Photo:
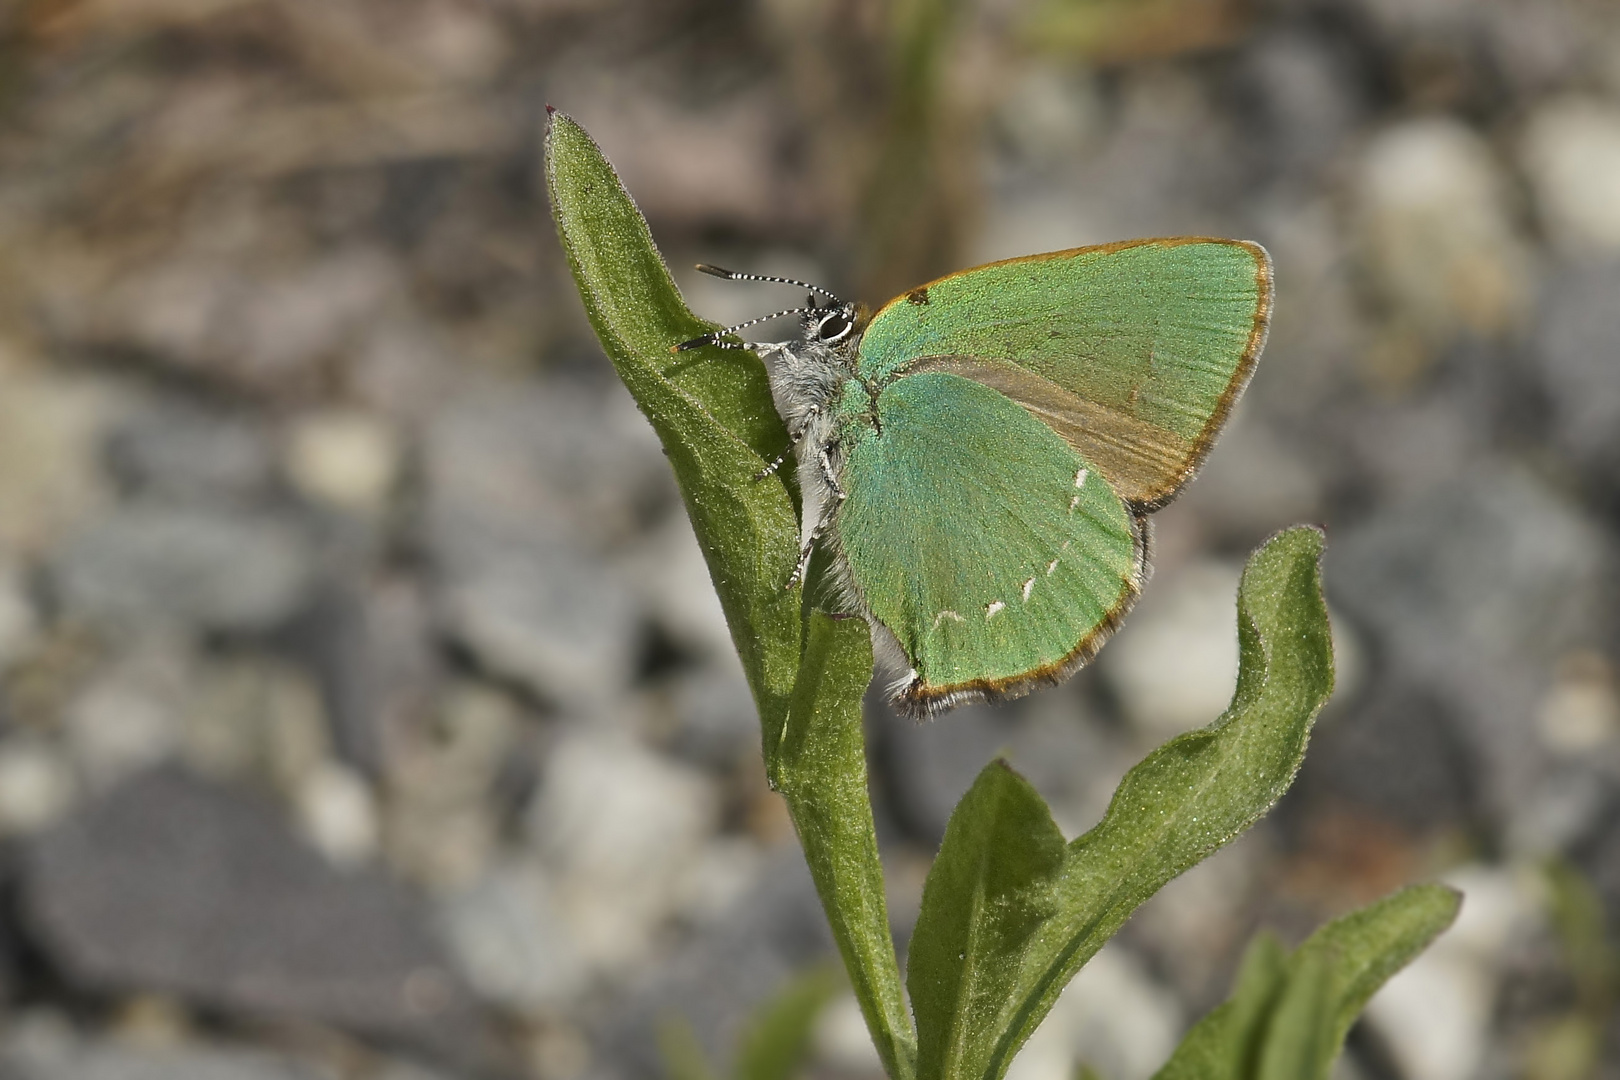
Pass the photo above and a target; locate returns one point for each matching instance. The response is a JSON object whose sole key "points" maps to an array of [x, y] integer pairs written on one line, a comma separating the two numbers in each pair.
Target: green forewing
{"points": [[1132, 352], [969, 538]]}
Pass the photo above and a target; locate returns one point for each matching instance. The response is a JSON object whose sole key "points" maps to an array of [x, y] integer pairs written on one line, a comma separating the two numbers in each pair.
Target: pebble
{"points": [[1578, 323], [36, 786], [1571, 153], [512, 944], [1436, 1015], [176, 885], [176, 450], [1112, 1017], [18, 621], [1431, 205], [1174, 663], [619, 826], [338, 813], [1475, 592], [347, 459], [151, 566]]}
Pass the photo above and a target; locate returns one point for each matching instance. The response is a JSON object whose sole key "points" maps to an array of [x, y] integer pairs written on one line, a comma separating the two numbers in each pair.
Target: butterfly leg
{"points": [[831, 476], [795, 435]]}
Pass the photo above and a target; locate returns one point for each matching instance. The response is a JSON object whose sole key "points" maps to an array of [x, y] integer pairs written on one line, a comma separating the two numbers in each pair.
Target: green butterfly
{"points": [[980, 457]]}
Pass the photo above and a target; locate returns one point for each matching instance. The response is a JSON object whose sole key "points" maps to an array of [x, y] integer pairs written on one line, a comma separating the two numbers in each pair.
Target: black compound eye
{"points": [[834, 327]]}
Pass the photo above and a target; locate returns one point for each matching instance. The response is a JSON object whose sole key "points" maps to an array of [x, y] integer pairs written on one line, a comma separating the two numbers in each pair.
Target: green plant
{"points": [[1011, 911]]}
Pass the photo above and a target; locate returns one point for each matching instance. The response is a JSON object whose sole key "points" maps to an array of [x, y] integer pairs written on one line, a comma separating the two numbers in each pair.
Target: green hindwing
{"points": [[995, 554], [1133, 353]]}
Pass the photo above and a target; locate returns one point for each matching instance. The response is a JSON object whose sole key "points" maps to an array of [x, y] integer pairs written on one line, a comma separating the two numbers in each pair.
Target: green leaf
{"points": [[711, 408], [1226, 1044], [1187, 798], [777, 1038], [989, 890], [821, 770], [1288, 1017], [1359, 953]]}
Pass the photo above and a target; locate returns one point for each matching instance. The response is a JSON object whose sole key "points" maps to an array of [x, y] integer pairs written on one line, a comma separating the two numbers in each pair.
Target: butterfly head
{"points": [[824, 319]]}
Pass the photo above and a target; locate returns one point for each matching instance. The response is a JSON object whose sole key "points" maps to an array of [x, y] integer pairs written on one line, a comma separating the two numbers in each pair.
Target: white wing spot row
{"points": [[992, 609]]}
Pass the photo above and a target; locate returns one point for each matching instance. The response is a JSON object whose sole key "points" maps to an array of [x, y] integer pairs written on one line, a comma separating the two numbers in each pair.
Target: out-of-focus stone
{"points": [[18, 621], [618, 826], [1574, 342], [1581, 710], [526, 488], [1475, 592], [1431, 205], [175, 885], [1436, 1015], [36, 786], [50, 442], [347, 459], [130, 715], [115, 1061], [152, 566], [1175, 662], [670, 573], [257, 720], [1050, 738], [723, 971], [1112, 1017], [1254, 484], [443, 823], [841, 1040], [338, 813], [173, 450], [1571, 153], [512, 944]]}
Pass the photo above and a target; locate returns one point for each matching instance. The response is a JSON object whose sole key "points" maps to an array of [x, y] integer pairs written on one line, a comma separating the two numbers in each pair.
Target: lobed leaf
{"points": [[1179, 804]]}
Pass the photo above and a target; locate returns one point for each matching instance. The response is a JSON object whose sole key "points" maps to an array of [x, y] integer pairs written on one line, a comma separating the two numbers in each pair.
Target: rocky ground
{"points": [[365, 711]]}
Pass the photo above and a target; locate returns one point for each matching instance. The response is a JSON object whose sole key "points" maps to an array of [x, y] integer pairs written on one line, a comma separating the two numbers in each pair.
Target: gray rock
{"points": [[182, 567], [111, 1061], [1575, 347], [1475, 592], [722, 973], [528, 489], [178, 450], [174, 885], [1050, 738]]}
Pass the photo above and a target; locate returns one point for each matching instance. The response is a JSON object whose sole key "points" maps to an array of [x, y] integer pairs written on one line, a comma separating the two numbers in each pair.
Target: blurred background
{"points": [[365, 711]]}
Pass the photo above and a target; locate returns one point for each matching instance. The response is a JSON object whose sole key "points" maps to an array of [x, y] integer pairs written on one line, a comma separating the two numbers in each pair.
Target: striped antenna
{"points": [[713, 338], [735, 275]]}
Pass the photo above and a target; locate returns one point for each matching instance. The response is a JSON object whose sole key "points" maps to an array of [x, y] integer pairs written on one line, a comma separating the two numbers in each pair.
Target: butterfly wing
{"points": [[992, 551], [1134, 353]]}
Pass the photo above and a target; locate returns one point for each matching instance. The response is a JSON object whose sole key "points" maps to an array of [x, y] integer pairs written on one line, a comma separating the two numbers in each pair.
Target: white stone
{"points": [[1112, 1017], [338, 813], [1581, 710], [841, 1041], [1432, 209], [1174, 665], [1571, 153], [36, 787], [18, 622], [346, 458], [617, 826], [1435, 1016], [130, 716], [511, 943]]}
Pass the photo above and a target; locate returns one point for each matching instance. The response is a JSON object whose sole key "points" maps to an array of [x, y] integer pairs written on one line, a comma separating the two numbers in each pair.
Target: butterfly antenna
{"points": [[735, 275], [713, 337]]}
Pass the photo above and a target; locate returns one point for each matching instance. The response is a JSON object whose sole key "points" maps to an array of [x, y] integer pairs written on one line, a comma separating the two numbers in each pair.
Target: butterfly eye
{"points": [[834, 327]]}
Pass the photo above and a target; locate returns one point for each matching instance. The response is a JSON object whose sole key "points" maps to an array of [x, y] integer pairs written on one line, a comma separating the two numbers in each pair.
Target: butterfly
{"points": [[979, 458]]}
